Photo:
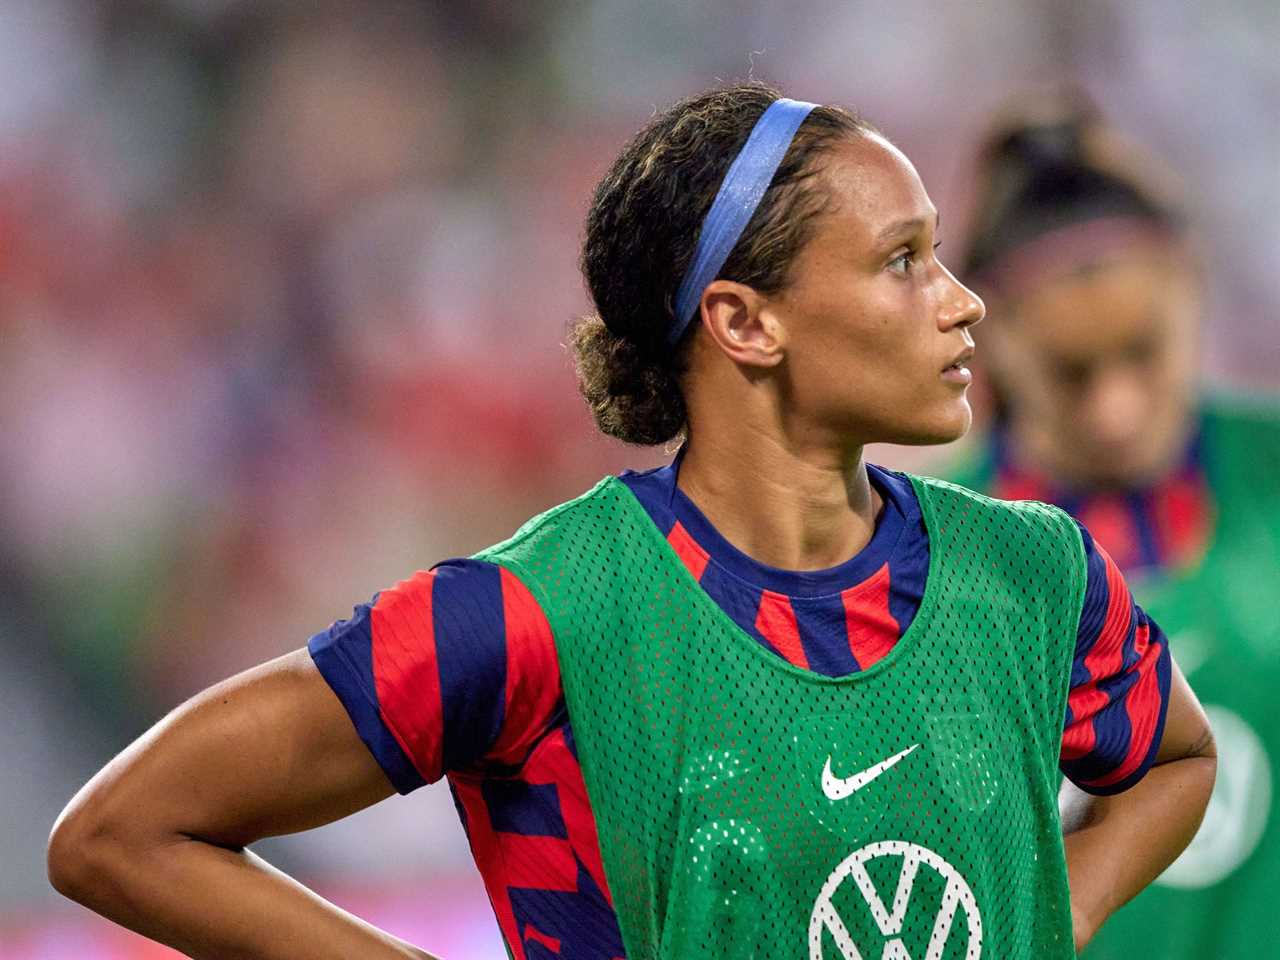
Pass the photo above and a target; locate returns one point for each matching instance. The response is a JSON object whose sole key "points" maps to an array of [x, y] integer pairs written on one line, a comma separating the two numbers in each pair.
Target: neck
{"points": [[783, 505]]}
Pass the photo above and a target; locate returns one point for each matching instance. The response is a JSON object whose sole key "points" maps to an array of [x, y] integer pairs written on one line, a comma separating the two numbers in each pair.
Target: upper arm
{"points": [[453, 669], [267, 752], [1121, 680], [1186, 730], [450, 669]]}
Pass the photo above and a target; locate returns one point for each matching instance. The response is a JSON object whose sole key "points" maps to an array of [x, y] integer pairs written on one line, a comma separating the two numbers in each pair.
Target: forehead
{"points": [[873, 188], [1133, 291], [1106, 308]]}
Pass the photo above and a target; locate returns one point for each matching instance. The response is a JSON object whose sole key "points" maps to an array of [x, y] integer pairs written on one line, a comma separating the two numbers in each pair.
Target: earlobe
{"points": [[742, 325]]}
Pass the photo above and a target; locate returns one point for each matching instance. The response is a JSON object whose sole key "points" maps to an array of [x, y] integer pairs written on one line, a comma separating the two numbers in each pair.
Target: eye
{"points": [[1141, 352], [1071, 373], [901, 264]]}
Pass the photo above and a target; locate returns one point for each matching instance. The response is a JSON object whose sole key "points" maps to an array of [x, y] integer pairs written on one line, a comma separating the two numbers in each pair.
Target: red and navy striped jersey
{"points": [[454, 673], [1163, 525]]}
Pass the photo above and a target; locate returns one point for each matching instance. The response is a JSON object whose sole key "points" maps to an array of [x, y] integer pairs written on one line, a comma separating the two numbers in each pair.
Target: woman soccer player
{"points": [[769, 701], [1093, 346]]}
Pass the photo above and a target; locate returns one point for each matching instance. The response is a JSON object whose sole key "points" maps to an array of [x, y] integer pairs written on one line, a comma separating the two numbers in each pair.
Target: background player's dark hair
{"points": [[640, 236], [1049, 162], [1052, 162]]}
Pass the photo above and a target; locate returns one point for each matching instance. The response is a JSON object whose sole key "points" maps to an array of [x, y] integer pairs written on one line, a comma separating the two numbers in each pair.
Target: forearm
{"points": [[212, 902], [266, 753], [1117, 845]]}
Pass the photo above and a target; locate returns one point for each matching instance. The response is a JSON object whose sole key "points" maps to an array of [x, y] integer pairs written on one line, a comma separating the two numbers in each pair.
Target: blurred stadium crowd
{"points": [[282, 288]]}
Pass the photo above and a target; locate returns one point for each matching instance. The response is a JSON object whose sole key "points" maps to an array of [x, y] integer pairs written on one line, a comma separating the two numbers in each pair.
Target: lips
{"points": [[959, 362]]}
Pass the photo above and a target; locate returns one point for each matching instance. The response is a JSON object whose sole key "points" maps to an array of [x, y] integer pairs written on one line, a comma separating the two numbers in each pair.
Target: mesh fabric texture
{"points": [[747, 808]]}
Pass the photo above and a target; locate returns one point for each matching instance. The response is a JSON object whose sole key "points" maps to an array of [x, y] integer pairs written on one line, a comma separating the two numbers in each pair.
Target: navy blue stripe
{"points": [[1164, 671], [653, 489], [458, 805], [908, 571], [529, 809], [583, 922], [1093, 613], [344, 656], [471, 650], [824, 636], [1142, 509], [739, 600], [1093, 610]]}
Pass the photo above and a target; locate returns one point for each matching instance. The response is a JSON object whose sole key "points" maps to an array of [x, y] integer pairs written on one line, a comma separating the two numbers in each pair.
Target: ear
{"points": [[742, 325]]}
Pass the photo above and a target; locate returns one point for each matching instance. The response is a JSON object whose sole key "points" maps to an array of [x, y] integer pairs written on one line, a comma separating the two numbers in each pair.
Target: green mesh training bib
{"points": [[747, 808]]}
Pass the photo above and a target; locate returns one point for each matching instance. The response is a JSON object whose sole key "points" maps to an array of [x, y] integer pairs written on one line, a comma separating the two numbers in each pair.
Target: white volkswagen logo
{"points": [[889, 919]]}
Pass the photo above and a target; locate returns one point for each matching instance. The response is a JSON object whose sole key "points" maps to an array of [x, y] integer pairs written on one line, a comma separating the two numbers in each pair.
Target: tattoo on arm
{"points": [[1202, 747]]}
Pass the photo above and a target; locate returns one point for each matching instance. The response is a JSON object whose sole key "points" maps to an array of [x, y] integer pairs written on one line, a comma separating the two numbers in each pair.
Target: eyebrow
{"points": [[905, 227]]}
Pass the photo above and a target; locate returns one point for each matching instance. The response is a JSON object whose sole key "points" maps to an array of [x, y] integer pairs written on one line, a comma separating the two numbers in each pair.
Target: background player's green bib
{"points": [[1222, 619], [748, 808]]}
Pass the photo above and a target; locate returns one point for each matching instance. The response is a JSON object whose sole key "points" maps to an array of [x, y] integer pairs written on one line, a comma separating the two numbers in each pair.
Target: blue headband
{"points": [[744, 185]]}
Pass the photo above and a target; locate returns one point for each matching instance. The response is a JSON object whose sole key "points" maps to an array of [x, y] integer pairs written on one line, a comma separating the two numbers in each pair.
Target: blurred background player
{"points": [[1081, 251]]}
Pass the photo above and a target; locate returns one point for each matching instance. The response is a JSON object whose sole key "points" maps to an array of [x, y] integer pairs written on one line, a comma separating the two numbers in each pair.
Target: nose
{"points": [[1116, 407], [961, 307]]}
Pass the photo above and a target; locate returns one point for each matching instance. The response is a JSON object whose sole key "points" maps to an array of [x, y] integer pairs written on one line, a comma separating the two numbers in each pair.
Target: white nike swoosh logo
{"points": [[837, 789]]}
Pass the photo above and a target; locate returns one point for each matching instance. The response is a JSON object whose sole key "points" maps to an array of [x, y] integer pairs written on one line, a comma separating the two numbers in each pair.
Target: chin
{"points": [[925, 427], [1114, 477], [938, 430]]}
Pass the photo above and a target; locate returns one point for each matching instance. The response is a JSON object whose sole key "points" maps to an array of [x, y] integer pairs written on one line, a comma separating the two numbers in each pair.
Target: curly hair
{"points": [[641, 232]]}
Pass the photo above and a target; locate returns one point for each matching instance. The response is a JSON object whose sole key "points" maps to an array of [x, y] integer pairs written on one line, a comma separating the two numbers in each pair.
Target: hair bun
{"points": [[633, 396], [1049, 145], [1052, 161]]}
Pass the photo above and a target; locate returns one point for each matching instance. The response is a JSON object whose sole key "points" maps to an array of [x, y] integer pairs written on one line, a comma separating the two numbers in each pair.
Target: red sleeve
{"points": [[1119, 684], [452, 669]]}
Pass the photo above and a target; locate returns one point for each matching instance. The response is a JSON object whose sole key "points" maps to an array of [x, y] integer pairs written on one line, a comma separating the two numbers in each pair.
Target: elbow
{"points": [[78, 856], [1204, 753], [1208, 747], [1209, 760], [1201, 764], [65, 856]]}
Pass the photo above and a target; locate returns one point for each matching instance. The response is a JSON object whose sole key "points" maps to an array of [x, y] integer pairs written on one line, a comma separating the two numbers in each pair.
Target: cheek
{"points": [[1182, 363], [843, 336], [892, 333], [1025, 379], [862, 351]]}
